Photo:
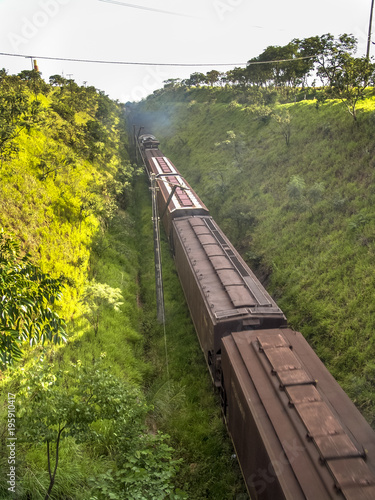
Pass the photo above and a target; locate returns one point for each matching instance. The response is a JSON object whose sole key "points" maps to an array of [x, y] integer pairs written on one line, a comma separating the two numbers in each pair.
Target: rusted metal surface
{"points": [[176, 198], [160, 165], [305, 438], [222, 292]]}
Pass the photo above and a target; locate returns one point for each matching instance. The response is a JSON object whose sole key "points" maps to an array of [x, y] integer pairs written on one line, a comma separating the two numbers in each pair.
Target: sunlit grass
{"points": [[317, 256]]}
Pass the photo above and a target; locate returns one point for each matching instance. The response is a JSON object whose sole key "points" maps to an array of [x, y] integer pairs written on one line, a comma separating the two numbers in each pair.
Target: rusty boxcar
{"points": [[221, 291], [296, 433], [175, 196]]}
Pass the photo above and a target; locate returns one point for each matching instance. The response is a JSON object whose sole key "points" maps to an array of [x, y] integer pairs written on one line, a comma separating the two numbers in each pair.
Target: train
{"points": [[296, 433]]}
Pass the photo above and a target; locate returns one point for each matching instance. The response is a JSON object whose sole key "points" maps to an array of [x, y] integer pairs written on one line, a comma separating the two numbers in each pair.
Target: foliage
{"points": [[343, 76], [312, 242], [60, 193], [352, 81], [283, 120], [296, 187], [144, 474], [282, 74], [77, 402], [96, 297], [26, 296], [17, 112], [51, 195]]}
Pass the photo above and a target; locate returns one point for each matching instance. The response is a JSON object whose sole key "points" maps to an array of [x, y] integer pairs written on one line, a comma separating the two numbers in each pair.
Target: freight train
{"points": [[296, 434]]}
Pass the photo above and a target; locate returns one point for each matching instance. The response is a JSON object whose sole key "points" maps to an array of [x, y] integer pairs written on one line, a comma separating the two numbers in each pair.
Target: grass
{"points": [[120, 345], [315, 255], [185, 405], [132, 347]]}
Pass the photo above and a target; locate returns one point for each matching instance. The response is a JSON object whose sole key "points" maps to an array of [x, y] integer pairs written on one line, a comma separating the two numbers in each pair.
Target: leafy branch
{"points": [[26, 297]]}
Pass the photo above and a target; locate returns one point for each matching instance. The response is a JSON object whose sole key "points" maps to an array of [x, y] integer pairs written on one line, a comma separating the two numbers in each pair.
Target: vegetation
{"points": [[94, 416], [25, 297], [285, 73], [64, 175], [299, 210], [107, 403]]}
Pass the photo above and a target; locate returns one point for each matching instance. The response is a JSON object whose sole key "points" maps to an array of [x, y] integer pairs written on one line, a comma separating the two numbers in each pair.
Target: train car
{"points": [[221, 291], [296, 433], [158, 164], [153, 159], [177, 199], [148, 141]]}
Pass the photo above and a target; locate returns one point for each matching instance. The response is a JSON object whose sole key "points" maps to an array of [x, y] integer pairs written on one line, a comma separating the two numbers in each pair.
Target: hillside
{"points": [[293, 187], [291, 184], [97, 415]]}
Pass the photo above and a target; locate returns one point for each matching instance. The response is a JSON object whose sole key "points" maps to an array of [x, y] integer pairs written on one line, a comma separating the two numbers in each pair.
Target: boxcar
{"points": [[221, 291], [158, 164], [176, 198], [296, 433]]}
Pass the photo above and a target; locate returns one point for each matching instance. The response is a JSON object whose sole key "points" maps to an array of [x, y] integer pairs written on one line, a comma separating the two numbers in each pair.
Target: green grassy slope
{"points": [[67, 192], [302, 215]]}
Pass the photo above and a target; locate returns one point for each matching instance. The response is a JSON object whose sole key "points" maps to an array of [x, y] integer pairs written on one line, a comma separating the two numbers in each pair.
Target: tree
{"points": [[285, 66], [237, 76], [34, 81], [328, 53], [66, 403], [26, 297], [283, 119], [58, 80], [97, 297], [92, 406], [16, 114], [344, 76], [172, 83], [212, 77], [195, 80], [236, 144], [351, 82]]}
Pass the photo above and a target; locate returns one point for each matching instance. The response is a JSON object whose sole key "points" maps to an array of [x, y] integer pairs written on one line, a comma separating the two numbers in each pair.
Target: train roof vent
{"points": [[242, 288], [231, 312], [337, 451], [162, 166]]}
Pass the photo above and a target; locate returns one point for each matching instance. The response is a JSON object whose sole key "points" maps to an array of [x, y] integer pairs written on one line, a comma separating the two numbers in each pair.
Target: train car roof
{"points": [[160, 164], [183, 196], [294, 399], [147, 136], [229, 286]]}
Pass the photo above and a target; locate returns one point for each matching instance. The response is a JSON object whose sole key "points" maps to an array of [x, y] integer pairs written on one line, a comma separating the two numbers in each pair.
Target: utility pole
{"points": [[369, 31]]}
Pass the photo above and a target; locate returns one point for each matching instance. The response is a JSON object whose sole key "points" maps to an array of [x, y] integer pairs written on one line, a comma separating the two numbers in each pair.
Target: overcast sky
{"points": [[186, 32]]}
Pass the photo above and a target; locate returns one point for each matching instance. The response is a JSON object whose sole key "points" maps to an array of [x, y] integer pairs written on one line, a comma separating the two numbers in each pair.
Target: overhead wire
{"points": [[135, 63], [141, 7]]}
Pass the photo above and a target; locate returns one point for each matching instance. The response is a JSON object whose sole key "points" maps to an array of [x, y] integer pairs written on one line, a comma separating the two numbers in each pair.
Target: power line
{"points": [[123, 4], [133, 63]]}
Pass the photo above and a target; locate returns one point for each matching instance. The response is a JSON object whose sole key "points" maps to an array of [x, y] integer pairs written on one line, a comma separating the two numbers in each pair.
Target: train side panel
{"points": [[222, 293], [296, 432]]}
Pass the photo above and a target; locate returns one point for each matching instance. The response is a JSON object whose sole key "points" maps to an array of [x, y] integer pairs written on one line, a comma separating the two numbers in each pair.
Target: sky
{"points": [[218, 34]]}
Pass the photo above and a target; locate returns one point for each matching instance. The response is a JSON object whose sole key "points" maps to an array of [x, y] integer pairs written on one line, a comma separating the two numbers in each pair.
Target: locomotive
{"points": [[296, 434]]}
